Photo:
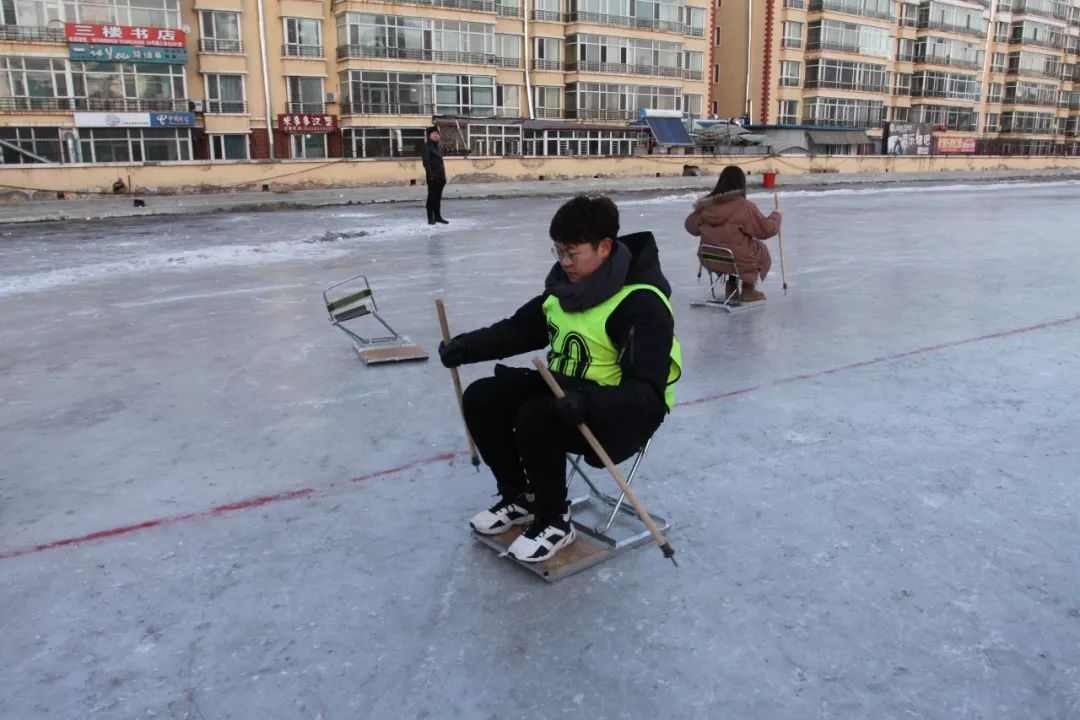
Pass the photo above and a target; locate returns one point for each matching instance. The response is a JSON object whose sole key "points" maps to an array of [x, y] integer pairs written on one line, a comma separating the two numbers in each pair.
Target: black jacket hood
{"points": [[645, 265]]}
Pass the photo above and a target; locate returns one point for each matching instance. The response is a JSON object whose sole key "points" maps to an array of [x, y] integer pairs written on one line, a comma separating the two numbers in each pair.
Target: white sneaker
{"points": [[502, 516], [543, 538]]}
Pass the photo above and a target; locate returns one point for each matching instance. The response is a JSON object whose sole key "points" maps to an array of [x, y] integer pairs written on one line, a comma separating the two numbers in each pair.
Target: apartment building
{"points": [[167, 80], [1003, 72]]}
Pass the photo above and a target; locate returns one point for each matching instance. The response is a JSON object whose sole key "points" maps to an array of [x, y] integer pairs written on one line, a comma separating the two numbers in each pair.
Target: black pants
{"points": [[512, 419], [434, 197]]}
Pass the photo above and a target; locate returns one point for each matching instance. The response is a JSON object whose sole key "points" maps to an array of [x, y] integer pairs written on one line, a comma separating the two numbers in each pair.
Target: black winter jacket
{"points": [[641, 326], [433, 161]]}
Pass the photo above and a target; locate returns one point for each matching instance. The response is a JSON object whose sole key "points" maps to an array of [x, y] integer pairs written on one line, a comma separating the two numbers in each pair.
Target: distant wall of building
{"points": [[20, 182]]}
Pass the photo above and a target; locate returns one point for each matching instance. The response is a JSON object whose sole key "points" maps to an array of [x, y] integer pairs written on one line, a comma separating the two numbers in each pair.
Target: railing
{"points": [[25, 33], [226, 107], [548, 16], [905, 56], [857, 87], [954, 28], [548, 113], [1049, 43], [53, 104], [791, 42], [818, 45], [950, 61], [1050, 102], [622, 69], [789, 82], [362, 108], [478, 5], [311, 108], [633, 22], [512, 11], [1054, 74], [795, 4], [1058, 12], [909, 22], [591, 114], [1008, 129], [847, 9], [931, 93], [811, 119], [540, 64], [302, 51], [215, 45], [345, 52]]}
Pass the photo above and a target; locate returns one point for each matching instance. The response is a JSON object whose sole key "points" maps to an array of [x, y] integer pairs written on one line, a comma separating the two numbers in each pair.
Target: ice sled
{"points": [[606, 526], [719, 263], [353, 299]]}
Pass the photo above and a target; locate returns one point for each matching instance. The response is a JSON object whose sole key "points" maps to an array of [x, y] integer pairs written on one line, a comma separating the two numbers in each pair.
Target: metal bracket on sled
{"points": [[719, 263], [606, 526], [355, 299]]}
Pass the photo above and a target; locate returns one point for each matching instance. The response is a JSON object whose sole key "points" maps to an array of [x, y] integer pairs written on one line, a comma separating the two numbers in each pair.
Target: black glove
{"points": [[574, 408], [453, 353]]}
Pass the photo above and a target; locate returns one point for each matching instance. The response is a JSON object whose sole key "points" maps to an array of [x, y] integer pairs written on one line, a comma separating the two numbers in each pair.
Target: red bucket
{"points": [[770, 179]]}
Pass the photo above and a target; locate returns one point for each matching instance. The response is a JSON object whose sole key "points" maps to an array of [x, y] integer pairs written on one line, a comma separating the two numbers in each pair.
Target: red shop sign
{"points": [[306, 123], [954, 145], [124, 35]]}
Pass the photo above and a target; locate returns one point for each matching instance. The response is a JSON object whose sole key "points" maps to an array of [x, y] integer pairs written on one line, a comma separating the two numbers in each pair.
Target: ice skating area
{"points": [[210, 508]]}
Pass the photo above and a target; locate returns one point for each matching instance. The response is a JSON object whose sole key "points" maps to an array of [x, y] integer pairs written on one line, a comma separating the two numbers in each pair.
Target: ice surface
{"points": [[872, 480]]}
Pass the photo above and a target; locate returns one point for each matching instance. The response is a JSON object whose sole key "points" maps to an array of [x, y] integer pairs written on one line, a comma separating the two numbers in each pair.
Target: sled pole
{"points": [[780, 237], [597, 448], [457, 384]]}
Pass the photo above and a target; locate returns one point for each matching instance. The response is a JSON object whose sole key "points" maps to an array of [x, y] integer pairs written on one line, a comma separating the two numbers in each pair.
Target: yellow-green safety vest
{"points": [[581, 347]]}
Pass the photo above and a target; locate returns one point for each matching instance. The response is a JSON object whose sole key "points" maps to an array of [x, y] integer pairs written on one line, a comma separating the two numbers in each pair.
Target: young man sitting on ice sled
{"points": [[606, 316]]}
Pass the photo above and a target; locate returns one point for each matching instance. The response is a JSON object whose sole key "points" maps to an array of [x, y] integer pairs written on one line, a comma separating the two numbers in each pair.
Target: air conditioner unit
{"points": [[331, 97], [197, 106]]}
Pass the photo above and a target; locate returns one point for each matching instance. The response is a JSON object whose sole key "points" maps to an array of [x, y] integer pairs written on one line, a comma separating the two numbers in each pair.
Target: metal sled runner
{"points": [[352, 299], [605, 525], [719, 263]]}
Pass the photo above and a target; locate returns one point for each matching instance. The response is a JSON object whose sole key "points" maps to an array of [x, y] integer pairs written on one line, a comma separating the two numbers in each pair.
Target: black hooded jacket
{"points": [[641, 326], [432, 159]]}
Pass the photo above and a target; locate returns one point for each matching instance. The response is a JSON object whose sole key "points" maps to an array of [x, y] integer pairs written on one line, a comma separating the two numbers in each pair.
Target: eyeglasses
{"points": [[560, 255]]}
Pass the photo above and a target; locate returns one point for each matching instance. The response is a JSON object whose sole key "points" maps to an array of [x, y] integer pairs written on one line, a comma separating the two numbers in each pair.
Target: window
{"points": [[693, 105], [848, 37], [952, 18], [789, 112], [465, 95], [1024, 92], [229, 147], [847, 75], [995, 93], [718, 35], [309, 147], [495, 139], [306, 95], [370, 142], [508, 50], [632, 56], [615, 101], [143, 13], [960, 119], [843, 112], [547, 53], [220, 32], [508, 100], [381, 93], [548, 102], [998, 64], [943, 51], [134, 145], [602, 143], [954, 86], [716, 73], [903, 84], [693, 65], [1001, 32], [881, 9], [46, 142], [1027, 122], [901, 114], [905, 50], [225, 94], [28, 83], [790, 72], [792, 34], [303, 38], [129, 87]]}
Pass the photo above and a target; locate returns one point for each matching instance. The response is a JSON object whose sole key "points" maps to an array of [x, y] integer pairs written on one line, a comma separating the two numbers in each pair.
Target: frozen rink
{"points": [[209, 508]]}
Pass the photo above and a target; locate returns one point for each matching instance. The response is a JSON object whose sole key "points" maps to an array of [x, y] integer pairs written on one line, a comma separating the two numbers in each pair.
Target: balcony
{"points": [[633, 22], [226, 107], [1050, 42], [857, 87], [555, 65], [216, 45], [53, 104], [594, 114], [309, 108], [1021, 130], [547, 16], [1052, 74], [847, 8], [822, 45], [307, 52], [26, 33], [1059, 11], [621, 69], [789, 82], [365, 108], [791, 43], [795, 4], [364, 52], [950, 61], [868, 122], [943, 94], [548, 113], [511, 11], [953, 28], [488, 6], [1030, 101]]}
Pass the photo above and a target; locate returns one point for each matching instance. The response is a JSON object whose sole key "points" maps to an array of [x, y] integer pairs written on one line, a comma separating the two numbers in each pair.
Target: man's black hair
{"points": [[585, 220]]}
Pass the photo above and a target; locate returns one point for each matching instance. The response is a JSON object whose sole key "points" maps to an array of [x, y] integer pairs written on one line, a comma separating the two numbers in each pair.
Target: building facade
{"points": [[1002, 73], [166, 80]]}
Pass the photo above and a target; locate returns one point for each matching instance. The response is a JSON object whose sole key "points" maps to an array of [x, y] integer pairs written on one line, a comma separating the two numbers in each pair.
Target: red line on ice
{"points": [[447, 456]]}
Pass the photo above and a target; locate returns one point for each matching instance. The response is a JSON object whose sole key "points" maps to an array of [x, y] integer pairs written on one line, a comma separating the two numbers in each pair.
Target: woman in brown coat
{"points": [[726, 218]]}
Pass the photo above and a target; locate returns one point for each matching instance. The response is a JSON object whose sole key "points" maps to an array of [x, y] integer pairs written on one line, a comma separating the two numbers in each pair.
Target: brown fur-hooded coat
{"points": [[731, 221]]}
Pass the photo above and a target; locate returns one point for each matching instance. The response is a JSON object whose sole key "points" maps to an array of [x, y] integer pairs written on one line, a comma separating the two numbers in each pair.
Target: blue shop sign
{"points": [[86, 52], [172, 119]]}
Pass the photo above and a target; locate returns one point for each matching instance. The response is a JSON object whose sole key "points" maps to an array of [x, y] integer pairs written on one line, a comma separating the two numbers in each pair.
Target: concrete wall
{"points": [[20, 182]]}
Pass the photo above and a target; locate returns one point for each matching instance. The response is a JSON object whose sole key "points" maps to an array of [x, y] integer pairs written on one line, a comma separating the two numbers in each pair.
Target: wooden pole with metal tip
{"points": [[780, 237], [658, 536], [441, 309]]}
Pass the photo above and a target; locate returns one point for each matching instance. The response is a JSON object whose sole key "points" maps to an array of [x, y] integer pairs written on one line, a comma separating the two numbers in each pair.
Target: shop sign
{"points": [[124, 35]]}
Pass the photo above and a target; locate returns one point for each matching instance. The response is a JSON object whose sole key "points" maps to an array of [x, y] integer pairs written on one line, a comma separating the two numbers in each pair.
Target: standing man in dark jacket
{"points": [[606, 316], [435, 171]]}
